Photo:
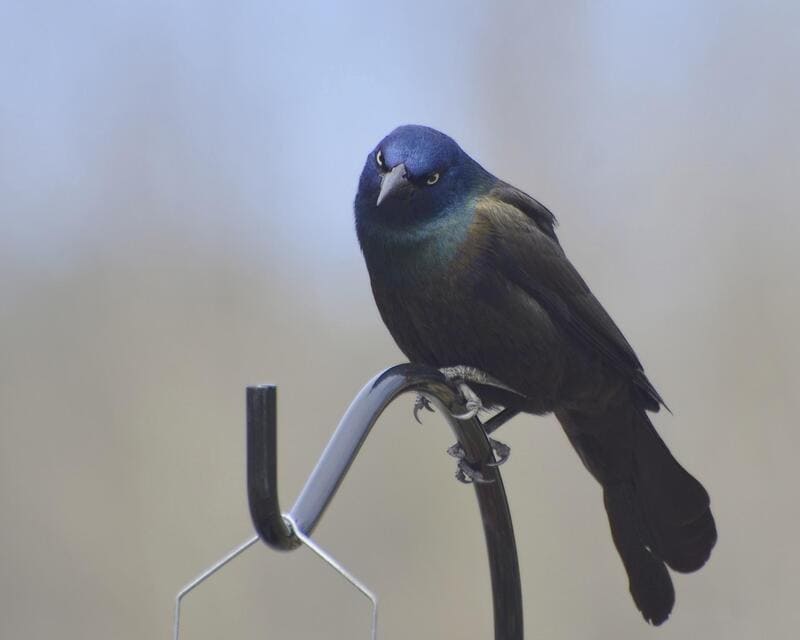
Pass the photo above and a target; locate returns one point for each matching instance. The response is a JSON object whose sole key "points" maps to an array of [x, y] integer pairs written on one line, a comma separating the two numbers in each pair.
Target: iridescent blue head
{"points": [[414, 176]]}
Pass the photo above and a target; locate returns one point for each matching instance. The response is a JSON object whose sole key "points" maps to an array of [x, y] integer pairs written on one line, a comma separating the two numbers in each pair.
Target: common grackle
{"points": [[467, 270]]}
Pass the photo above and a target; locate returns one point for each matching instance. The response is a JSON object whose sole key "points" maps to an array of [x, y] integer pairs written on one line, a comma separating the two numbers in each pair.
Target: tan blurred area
{"points": [[176, 184]]}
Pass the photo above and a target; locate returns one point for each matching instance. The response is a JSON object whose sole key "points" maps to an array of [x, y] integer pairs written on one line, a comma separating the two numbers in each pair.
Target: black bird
{"points": [[467, 270]]}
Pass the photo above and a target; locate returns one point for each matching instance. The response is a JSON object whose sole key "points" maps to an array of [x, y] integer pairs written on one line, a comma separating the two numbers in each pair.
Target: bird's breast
{"points": [[463, 311]]}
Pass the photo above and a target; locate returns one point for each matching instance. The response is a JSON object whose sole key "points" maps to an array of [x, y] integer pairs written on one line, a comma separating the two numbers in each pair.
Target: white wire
{"points": [[206, 574], [249, 543], [340, 569]]}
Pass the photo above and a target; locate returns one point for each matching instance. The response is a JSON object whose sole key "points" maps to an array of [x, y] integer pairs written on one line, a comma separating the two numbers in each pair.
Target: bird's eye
{"points": [[432, 178], [379, 159]]}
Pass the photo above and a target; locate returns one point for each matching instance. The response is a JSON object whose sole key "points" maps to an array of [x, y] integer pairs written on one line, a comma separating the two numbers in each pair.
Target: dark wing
{"points": [[535, 210], [525, 249]]}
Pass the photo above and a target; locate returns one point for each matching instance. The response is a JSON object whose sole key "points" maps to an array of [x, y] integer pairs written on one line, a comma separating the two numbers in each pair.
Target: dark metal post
{"points": [[262, 469]]}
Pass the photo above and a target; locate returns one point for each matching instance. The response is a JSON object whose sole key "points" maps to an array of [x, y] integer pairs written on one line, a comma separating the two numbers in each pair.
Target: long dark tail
{"points": [[659, 514]]}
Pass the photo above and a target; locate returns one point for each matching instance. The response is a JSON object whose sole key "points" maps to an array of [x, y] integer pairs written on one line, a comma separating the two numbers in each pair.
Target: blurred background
{"points": [[176, 186]]}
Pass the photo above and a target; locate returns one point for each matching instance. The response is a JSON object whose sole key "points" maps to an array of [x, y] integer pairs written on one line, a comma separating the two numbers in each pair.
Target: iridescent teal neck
{"points": [[404, 255]]}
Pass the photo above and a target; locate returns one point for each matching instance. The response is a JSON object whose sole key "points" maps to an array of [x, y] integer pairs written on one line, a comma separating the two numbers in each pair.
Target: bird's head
{"points": [[416, 174]]}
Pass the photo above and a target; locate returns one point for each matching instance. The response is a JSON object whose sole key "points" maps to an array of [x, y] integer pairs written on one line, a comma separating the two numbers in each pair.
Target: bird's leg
{"points": [[472, 402], [498, 420], [460, 375], [501, 450], [464, 373]]}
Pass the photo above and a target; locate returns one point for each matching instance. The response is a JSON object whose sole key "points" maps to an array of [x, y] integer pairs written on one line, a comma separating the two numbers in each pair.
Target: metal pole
{"points": [[342, 449]]}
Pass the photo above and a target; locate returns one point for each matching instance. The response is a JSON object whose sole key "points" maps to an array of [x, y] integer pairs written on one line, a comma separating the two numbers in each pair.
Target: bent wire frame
{"points": [[285, 532]]}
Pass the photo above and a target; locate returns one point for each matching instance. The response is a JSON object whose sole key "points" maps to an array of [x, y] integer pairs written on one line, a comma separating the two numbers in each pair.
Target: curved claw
{"points": [[501, 450], [471, 412], [421, 403], [456, 451], [462, 477]]}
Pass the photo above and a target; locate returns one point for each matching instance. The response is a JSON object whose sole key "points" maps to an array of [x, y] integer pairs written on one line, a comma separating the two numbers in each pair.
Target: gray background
{"points": [[176, 184]]}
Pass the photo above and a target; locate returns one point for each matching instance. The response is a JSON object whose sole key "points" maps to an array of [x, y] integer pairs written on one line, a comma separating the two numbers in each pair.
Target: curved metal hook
{"points": [[286, 532], [342, 449], [262, 469]]}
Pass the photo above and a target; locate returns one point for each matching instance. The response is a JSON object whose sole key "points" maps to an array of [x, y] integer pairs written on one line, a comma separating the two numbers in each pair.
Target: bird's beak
{"points": [[392, 182]]}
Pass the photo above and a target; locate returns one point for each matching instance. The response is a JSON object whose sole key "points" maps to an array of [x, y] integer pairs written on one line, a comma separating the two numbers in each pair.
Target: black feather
{"points": [[470, 271]]}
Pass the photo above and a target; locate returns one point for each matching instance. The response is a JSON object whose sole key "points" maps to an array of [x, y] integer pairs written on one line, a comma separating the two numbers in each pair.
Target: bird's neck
{"points": [[403, 256]]}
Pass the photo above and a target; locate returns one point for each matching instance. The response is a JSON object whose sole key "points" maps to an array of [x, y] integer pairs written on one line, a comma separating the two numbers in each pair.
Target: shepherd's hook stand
{"points": [[285, 532]]}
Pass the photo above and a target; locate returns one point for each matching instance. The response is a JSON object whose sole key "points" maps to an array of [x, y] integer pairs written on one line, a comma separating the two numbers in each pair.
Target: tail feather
{"points": [[659, 513], [675, 505], [649, 581]]}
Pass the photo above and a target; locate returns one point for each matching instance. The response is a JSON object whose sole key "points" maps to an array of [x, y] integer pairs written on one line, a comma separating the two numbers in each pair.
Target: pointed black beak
{"points": [[393, 182]]}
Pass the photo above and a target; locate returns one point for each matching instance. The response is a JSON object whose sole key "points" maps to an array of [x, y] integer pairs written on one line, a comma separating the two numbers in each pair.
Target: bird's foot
{"points": [[464, 375], [420, 403], [467, 473], [472, 403], [460, 375], [501, 451]]}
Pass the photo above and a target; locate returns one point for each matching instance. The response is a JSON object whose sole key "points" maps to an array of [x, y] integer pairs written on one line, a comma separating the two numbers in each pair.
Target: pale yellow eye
{"points": [[379, 159], [432, 179]]}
